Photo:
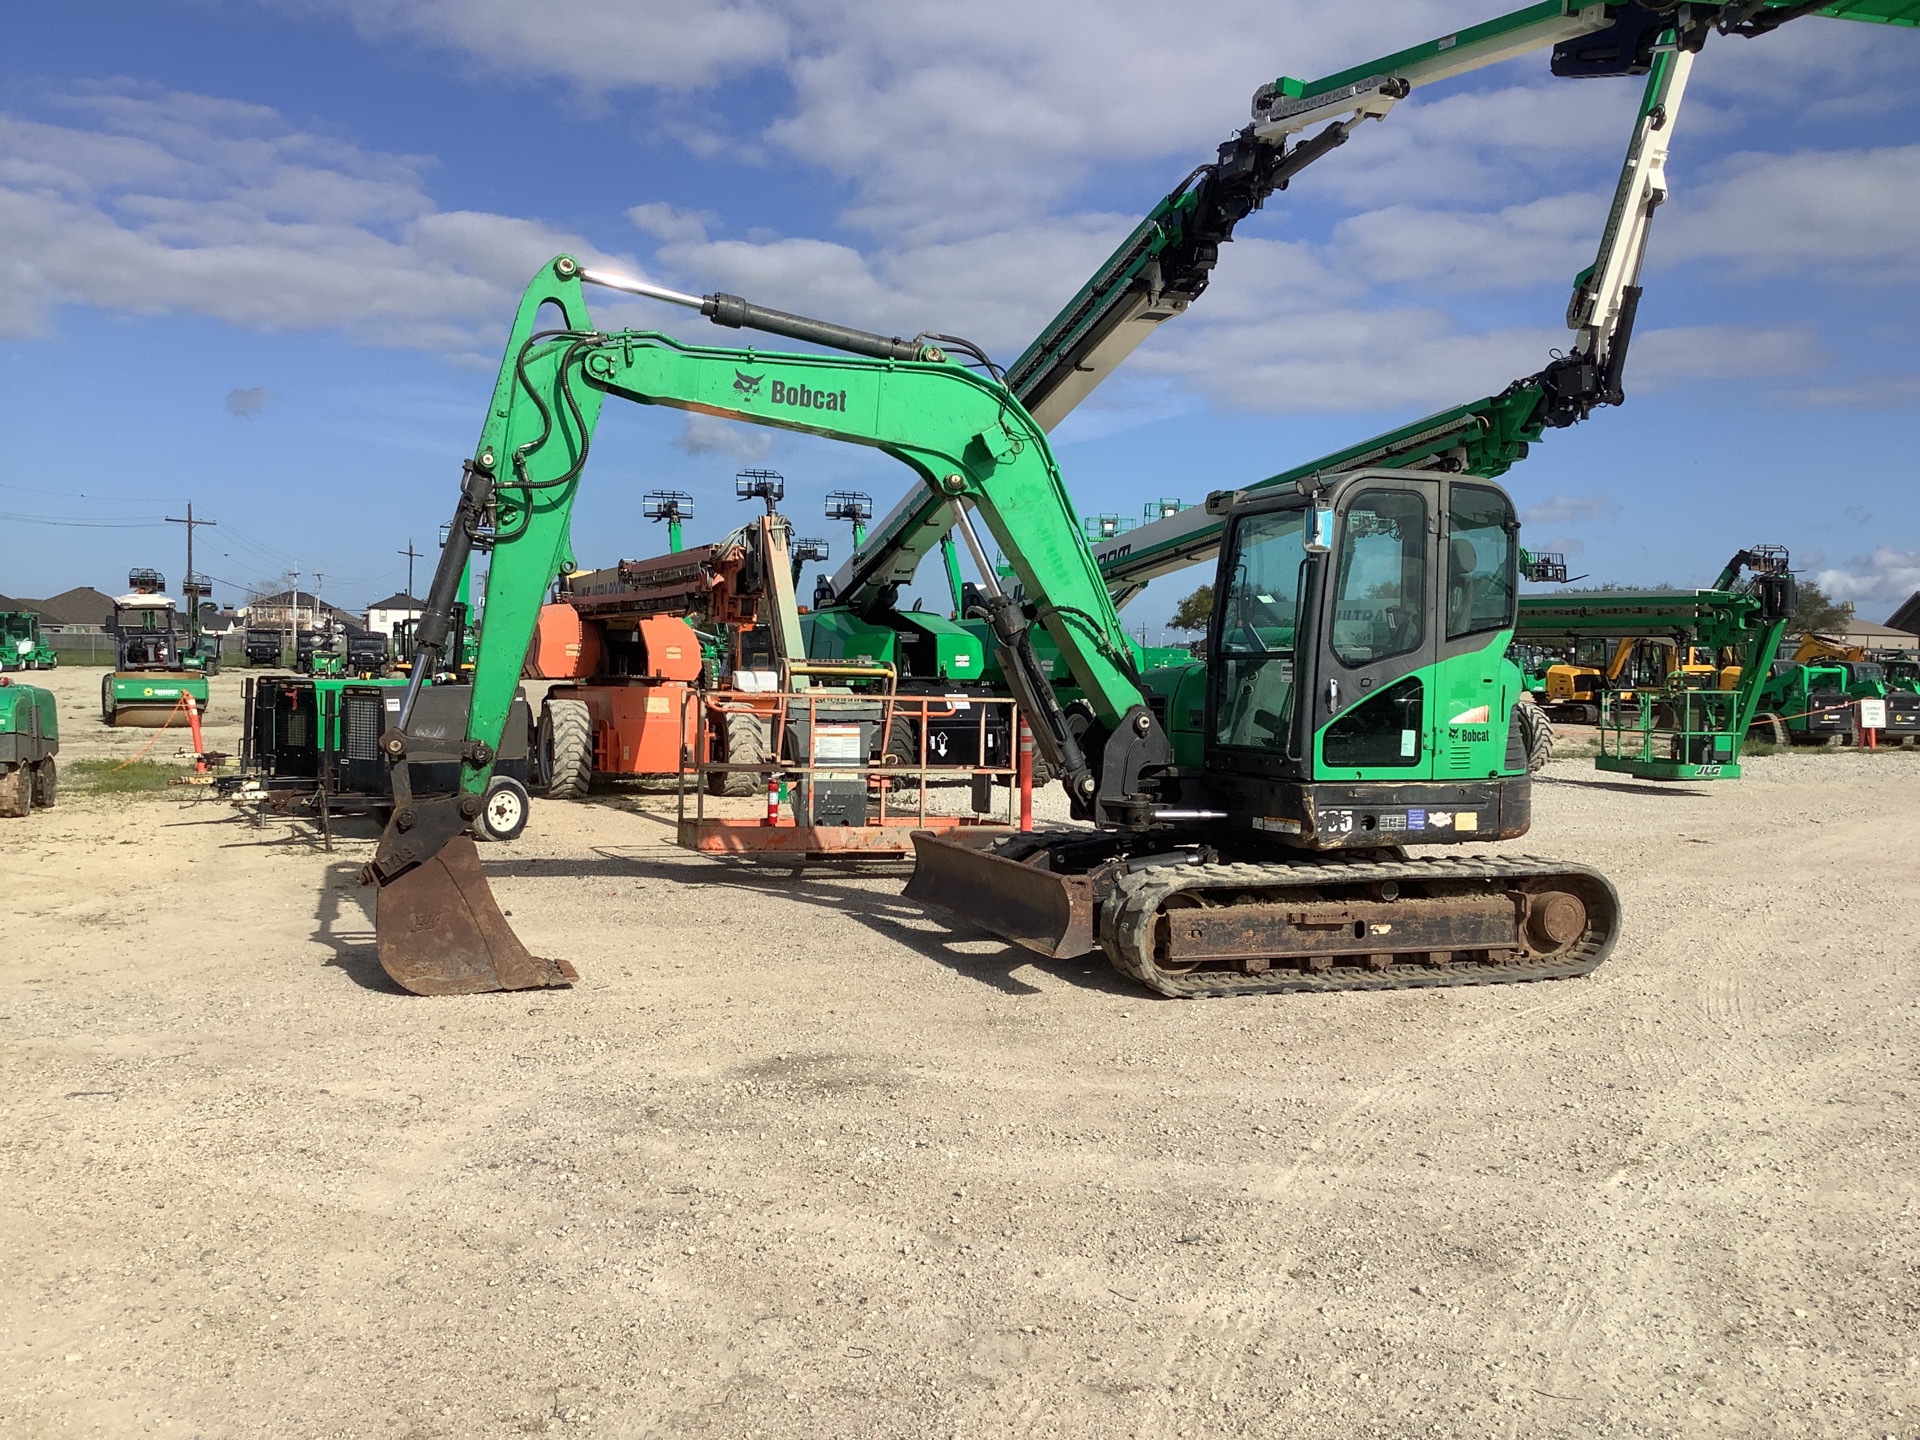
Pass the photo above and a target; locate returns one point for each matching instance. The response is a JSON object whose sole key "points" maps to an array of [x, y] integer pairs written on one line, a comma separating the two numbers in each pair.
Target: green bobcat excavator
{"points": [[1248, 821]]}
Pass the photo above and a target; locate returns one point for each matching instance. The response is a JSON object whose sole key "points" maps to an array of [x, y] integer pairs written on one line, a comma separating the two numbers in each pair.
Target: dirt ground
{"points": [[795, 1159]]}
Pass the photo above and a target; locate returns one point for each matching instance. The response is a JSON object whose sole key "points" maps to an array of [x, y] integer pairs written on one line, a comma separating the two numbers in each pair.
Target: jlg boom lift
{"points": [[1158, 272]]}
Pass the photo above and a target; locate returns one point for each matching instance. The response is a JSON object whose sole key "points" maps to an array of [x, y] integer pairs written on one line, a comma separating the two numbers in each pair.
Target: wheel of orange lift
{"points": [[564, 748], [743, 740]]}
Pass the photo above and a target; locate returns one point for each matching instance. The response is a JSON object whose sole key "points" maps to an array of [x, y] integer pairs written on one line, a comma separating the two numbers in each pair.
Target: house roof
{"points": [[82, 605], [399, 600], [1907, 617], [1865, 632]]}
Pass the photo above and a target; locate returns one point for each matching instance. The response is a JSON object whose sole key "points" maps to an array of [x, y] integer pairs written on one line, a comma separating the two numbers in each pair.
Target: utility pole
{"points": [[412, 555], [190, 591]]}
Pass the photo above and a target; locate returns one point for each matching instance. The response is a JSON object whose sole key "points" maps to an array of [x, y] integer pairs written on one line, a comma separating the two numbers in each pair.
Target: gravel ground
{"points": [[797, 1160]]}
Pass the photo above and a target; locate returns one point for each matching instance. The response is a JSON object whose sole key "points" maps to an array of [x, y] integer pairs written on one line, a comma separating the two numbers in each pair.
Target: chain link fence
{"points": [[85, 648]]}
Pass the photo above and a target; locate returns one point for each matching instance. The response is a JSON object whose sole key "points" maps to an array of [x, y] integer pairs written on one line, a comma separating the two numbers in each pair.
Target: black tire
{"points": [[1536, 735], [743, 740], [44, 784], [1769, 729], [16, 792], [564, 749], [903, 752], [106, 698], [503, 814]]}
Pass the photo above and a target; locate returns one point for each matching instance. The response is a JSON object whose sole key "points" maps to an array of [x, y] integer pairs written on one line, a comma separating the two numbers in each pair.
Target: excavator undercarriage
{"points": [[1188, 923]]}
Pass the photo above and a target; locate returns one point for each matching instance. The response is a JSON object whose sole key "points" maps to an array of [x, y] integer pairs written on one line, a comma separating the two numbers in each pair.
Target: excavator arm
{"points": [[965, 437]]}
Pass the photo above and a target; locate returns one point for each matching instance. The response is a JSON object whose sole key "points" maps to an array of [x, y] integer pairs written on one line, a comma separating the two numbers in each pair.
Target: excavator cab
{"points": [[1359, 643]]}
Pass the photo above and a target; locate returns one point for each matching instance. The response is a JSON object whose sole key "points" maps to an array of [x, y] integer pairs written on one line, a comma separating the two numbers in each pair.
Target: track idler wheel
{"points": [[441, 932], [1555, 919]]}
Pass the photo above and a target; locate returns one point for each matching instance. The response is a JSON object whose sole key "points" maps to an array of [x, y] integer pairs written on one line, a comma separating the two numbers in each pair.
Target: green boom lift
{"points": [[1682, 733], [1161, 268]]}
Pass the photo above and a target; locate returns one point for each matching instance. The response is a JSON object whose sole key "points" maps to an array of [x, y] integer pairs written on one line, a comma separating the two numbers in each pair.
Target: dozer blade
{"points": [[1023, 903], [442, 933]]}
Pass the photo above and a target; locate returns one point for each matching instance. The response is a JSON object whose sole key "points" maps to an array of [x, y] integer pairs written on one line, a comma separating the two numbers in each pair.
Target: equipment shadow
{"points": [[968, 951], [343, 922], [1620, 787]]}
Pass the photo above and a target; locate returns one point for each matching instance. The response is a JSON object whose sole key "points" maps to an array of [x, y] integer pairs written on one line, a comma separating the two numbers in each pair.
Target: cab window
{"points": [[1380, 595], [1253, 645], [1481, 568]]}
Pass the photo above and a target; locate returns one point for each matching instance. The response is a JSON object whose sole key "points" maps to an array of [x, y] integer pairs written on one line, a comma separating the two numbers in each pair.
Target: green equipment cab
{"points": [[29, 740], [22, 647], [150, 681]]}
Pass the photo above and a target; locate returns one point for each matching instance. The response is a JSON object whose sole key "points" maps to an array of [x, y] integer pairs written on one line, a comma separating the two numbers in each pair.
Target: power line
{"points": [[75, 524]]}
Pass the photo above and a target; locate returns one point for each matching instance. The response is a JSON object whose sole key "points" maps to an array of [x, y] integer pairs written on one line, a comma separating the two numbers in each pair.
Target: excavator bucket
{"points": [[441, 931], [1021, 902]]}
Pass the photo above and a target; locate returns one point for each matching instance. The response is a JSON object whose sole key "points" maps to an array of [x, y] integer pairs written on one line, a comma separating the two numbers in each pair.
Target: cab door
{"points": [[1472, 691], [1372, 704]]}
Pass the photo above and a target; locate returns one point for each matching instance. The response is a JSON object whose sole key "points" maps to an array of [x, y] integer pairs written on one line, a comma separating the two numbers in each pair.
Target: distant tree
{"points": [[1193, 612], [1815, 612], [1609, 587]]}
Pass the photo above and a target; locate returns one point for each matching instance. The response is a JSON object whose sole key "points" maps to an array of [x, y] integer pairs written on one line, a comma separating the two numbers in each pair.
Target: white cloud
{"points": [[710, 435], [182, 204], [1560, 509], [1842, 214], [669, 222], [1348, 359], [244, 404], [1865, 392], [1507, 249], [1879, 581], [885, 95], [669, 44], [1660, 359]]}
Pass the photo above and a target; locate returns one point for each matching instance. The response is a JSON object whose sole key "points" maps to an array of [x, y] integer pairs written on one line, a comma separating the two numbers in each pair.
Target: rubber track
{"points": [[1127, 925]]}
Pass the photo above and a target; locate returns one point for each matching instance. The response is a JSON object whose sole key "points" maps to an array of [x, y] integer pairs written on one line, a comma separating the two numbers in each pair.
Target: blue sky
{"points": [[261, 254]]}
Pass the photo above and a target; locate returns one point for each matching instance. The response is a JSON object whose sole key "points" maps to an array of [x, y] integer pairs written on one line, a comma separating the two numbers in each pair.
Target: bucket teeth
{"points": [[441, 932]]}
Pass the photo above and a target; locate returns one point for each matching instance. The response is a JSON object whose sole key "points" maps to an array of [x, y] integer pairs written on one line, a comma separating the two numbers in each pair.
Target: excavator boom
{"points": [[964, 437]]}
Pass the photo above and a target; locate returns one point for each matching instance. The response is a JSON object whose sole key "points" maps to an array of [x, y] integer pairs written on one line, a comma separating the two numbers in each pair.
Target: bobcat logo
{"points": [[747, 385]]}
